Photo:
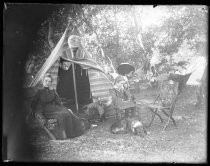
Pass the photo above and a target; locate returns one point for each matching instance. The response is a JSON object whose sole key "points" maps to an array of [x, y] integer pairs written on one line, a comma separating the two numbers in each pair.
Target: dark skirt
{"points": [[67, 121]]}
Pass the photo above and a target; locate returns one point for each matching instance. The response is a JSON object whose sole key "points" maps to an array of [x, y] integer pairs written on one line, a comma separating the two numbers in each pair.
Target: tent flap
{"points": [[50, 61]]}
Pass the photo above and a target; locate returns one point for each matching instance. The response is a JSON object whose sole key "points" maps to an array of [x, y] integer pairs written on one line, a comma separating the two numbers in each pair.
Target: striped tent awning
{"points": [[99, 84], [99, 81]]}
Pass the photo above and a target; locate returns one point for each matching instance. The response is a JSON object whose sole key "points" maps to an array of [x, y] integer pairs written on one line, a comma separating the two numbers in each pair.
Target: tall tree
{"points": [[117, 37], [138, 29]]}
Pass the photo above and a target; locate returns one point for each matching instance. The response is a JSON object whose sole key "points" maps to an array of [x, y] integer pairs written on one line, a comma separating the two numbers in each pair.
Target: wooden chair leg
{"points": [[169, 116], [167, 123], [171, 113], [46, 129], [161, 119], [49, 133], [153, 117], [155, 112]]}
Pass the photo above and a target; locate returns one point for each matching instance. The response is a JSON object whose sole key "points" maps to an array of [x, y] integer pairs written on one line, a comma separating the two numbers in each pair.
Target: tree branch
{"points": [[97, 38]]}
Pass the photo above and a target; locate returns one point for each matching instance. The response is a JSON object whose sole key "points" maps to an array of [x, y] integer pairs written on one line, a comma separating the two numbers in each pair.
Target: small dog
{"points": [[136, 127], [128, 125], [119, 127], [95, 111]]}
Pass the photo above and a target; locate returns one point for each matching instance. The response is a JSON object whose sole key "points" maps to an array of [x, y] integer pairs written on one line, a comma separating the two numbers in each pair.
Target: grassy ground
{"points": [[184, 143]]}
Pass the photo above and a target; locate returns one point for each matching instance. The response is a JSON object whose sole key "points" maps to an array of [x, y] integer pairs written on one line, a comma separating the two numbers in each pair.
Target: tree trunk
{"points": [[138, 35], [50, 36], [97, 38], [137, 29], [117, 36]]}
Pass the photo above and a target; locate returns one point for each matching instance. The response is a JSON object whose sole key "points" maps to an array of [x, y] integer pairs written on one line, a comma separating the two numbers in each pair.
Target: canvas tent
{"points": [[90, 79], [197, 67]]}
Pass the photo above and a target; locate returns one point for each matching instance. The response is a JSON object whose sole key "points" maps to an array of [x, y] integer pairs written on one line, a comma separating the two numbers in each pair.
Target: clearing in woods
{"points": [[185, 143]]}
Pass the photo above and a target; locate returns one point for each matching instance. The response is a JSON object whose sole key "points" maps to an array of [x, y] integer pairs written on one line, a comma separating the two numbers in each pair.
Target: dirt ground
{"points": [[185, 143]]}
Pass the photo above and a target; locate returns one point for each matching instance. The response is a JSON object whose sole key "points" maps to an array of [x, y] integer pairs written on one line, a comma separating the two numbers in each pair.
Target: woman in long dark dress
{"points": [[47, 104]]}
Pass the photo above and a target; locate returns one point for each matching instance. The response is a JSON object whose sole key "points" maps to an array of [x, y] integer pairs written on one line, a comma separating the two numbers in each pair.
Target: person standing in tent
{"points": [[47, 104]]}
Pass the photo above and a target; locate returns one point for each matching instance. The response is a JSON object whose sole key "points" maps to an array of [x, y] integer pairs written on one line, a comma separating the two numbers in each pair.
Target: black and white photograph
{"points": [[105, 83]]}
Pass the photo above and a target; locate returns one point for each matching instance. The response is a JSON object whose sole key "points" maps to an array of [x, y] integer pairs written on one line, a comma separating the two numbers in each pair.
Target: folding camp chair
{"points": [[121, 105], [49, 123], [164, 102]]}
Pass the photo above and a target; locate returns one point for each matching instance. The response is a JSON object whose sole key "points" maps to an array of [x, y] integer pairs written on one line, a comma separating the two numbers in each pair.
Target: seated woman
{"points": [[47, 104], [122, 86], [123, 92]]}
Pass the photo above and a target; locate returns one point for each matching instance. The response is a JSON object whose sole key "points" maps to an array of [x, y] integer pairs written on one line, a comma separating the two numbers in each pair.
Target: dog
{"points": [[94, 111], [128, 125], [135, 126], [119, 127]]}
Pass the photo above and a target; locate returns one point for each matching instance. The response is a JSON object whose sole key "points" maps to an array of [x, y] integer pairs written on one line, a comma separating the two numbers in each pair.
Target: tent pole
{"points": [[75, 87], [74, 43]]}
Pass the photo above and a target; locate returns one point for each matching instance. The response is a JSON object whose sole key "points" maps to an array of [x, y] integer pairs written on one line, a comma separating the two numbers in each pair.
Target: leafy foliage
{"points": [[108, 31]]}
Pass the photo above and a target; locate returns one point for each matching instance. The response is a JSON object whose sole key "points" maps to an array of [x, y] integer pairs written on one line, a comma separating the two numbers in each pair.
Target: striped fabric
{"points": [[54, 73], [56, 53], [99, 82]]}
